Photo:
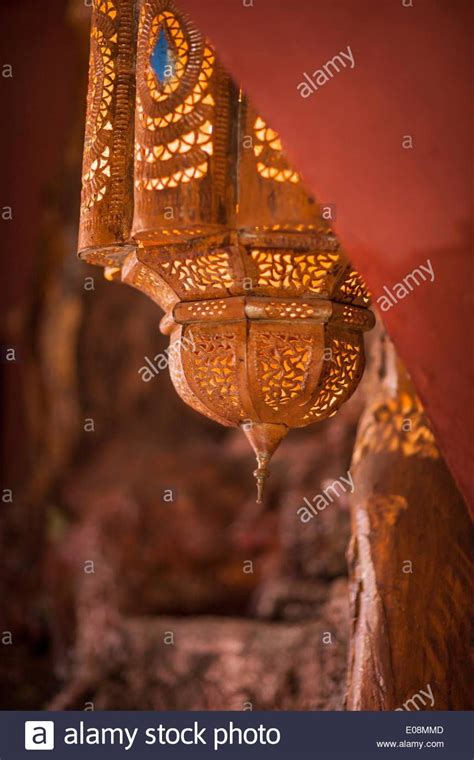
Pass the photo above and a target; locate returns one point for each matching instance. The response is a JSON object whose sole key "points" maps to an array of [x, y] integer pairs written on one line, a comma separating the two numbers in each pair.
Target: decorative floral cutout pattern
{"points": [[282, 364], [214, 369], [210, 271], [353, 289], [298, 272], [271, 163], [175, 111], [102, 77], [339, 378]]}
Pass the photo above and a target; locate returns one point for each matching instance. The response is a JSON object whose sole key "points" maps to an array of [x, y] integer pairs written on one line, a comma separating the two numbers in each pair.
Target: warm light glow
{"points": [[265, 314]]}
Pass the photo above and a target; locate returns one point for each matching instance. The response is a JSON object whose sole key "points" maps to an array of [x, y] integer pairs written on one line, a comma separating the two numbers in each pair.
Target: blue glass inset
{"points": [[162, 58]]}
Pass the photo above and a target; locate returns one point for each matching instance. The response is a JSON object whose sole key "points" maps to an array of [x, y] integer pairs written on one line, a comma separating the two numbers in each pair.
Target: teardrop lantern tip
{"points": [[264, 439]]}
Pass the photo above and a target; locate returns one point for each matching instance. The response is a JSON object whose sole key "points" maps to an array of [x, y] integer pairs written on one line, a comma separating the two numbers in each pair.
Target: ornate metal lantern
{"points": [[188, 197]]}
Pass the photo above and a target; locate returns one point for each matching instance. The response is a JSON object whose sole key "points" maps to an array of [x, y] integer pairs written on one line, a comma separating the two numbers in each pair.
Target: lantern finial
{"points": [[264, 438]]}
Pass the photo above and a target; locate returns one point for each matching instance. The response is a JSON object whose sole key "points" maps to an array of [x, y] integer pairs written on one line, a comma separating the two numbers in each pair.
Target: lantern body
{"points": [[188, 197]]}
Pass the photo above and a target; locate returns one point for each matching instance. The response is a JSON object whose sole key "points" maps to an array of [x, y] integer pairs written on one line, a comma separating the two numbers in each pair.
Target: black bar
{"points": [[308, 735]]}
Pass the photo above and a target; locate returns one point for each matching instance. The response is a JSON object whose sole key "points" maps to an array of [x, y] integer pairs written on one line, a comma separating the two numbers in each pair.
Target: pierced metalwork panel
{"points": [[271, 191], [180, 123], [143, 278], [342, 369], [260, 307], [212, 367], [268, 150], [181, 339], [107, 195], [279, 272], [193, 275], [284, 363], [353, 289]]}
